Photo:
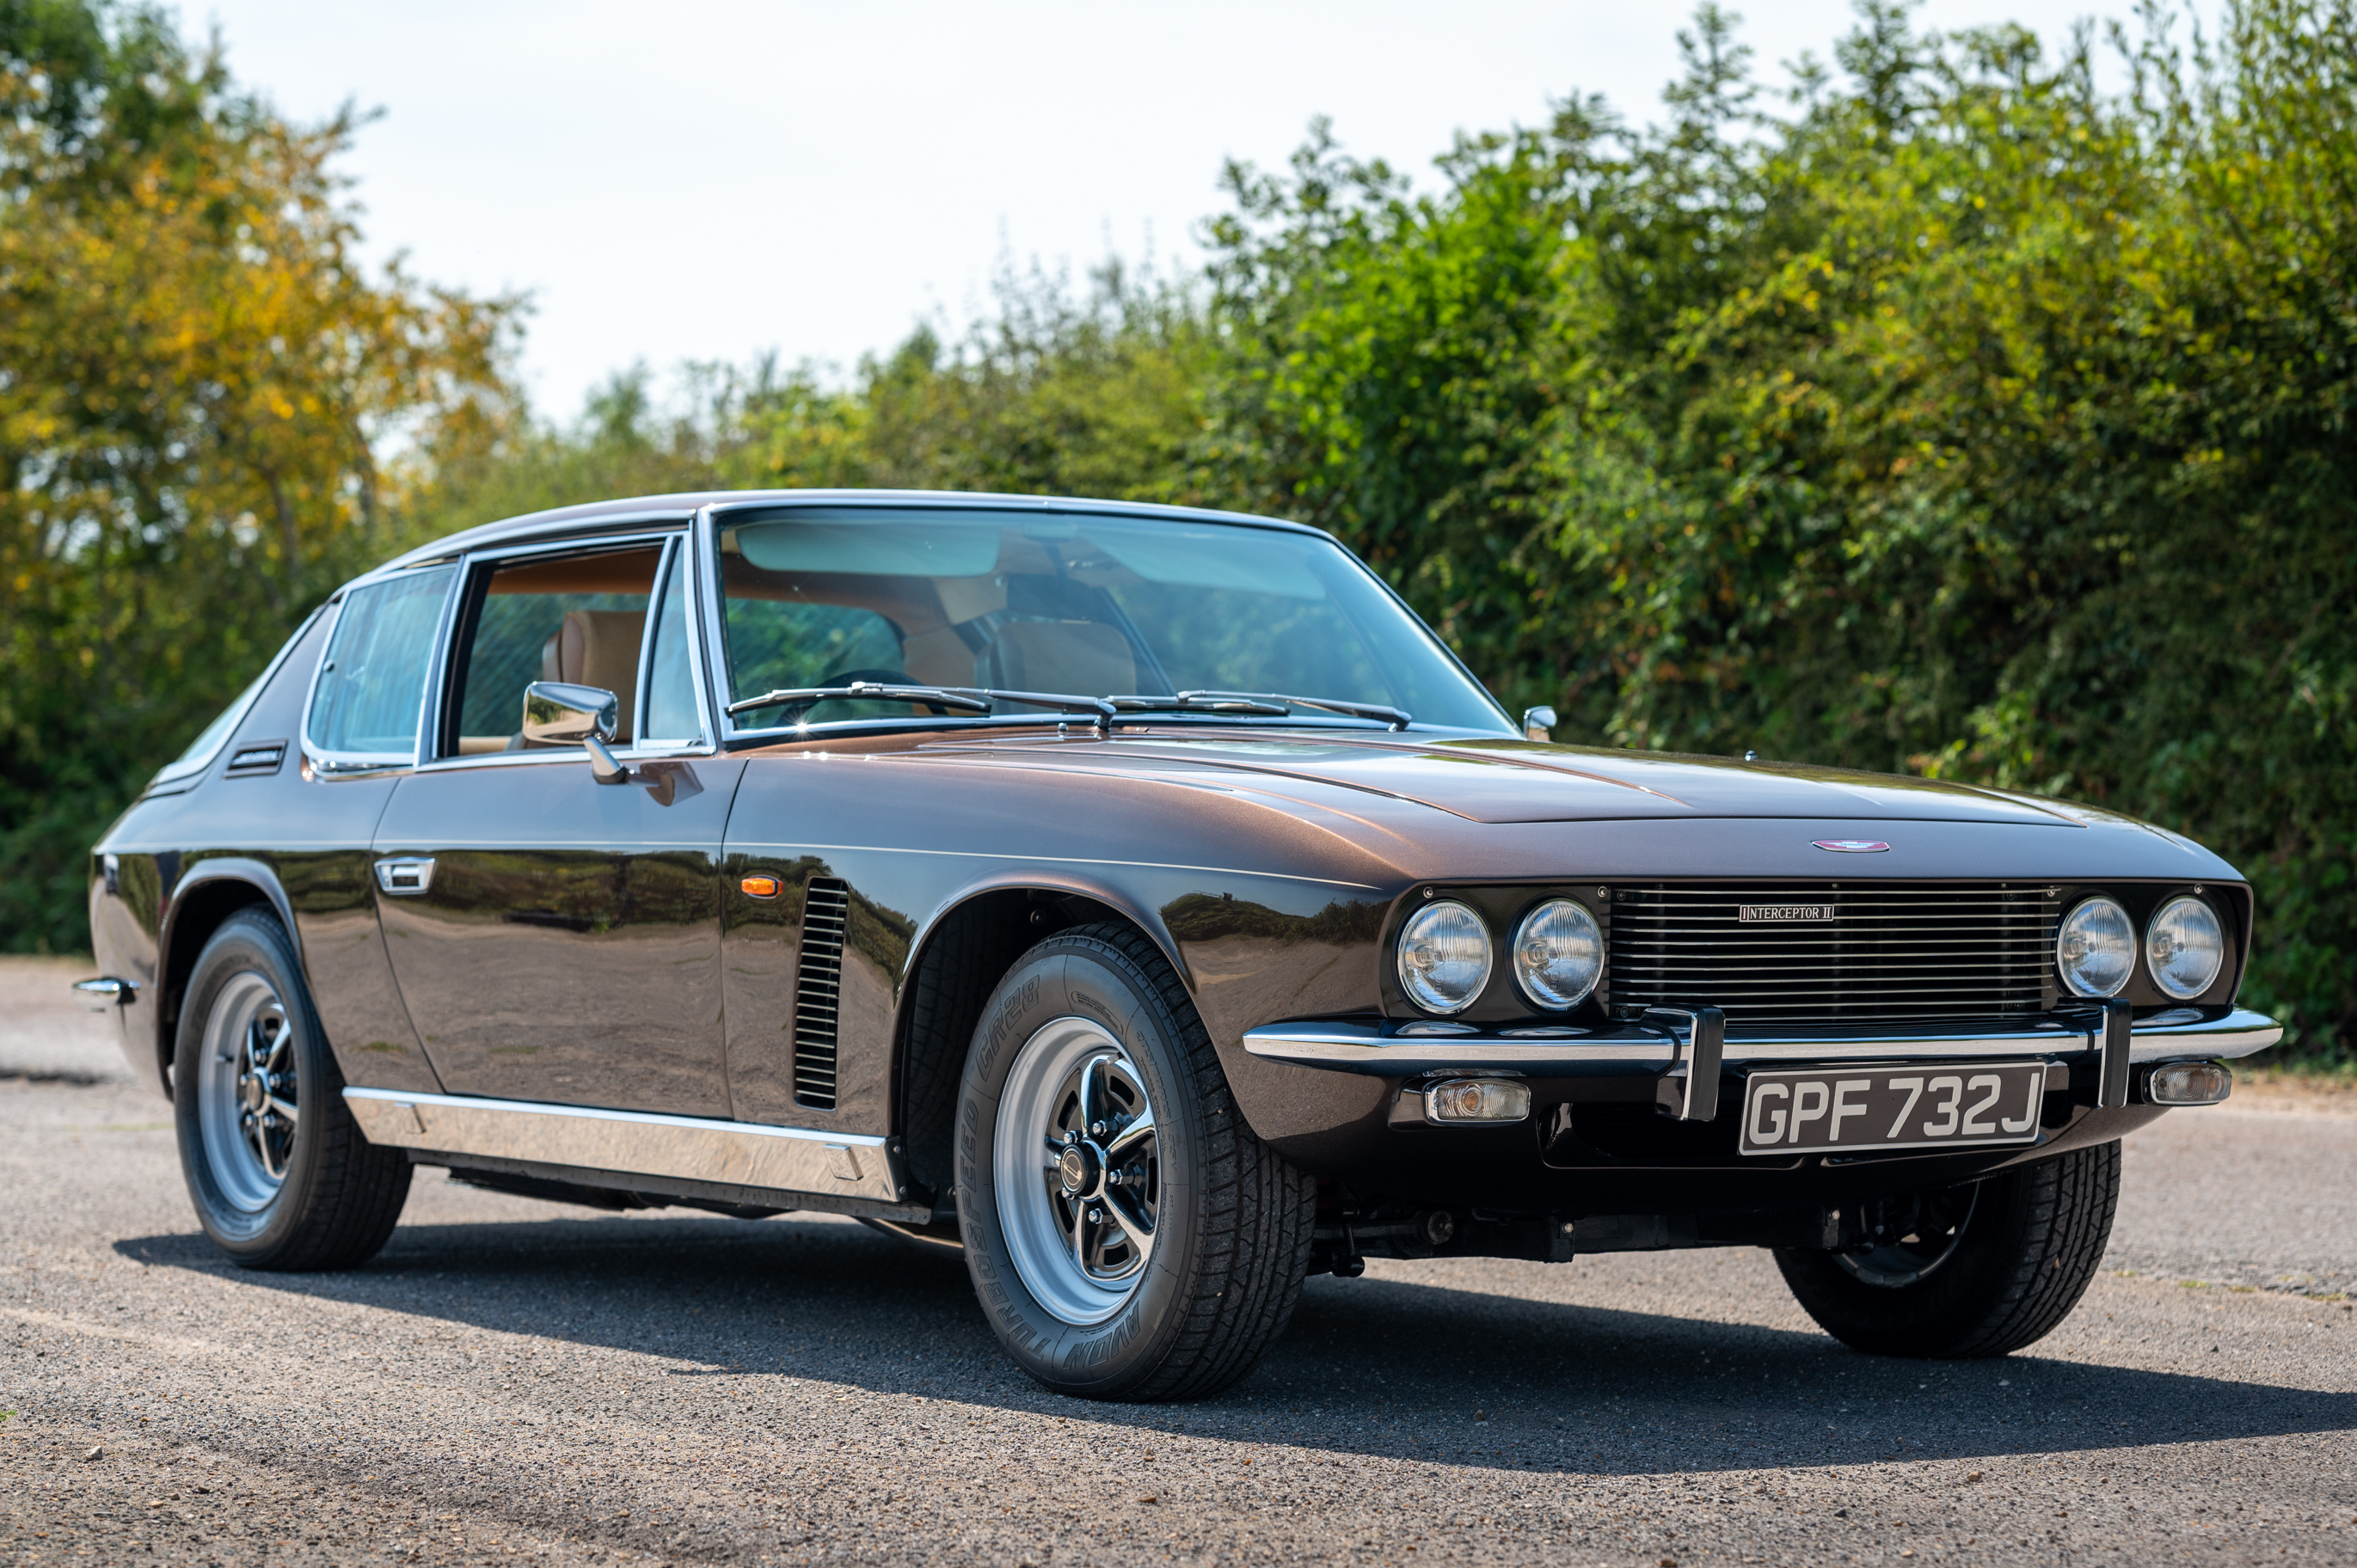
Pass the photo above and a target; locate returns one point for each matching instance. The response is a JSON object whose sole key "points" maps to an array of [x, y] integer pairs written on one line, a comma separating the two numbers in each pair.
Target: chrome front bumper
{"points": [[1396, 1049]]}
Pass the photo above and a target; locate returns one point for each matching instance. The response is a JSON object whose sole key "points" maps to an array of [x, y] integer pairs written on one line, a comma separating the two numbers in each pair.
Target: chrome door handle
{"points": [[405, 878]]}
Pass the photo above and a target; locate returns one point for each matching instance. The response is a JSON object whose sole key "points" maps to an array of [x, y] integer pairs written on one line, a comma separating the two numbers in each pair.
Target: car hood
{"points": [[1503, 780]]}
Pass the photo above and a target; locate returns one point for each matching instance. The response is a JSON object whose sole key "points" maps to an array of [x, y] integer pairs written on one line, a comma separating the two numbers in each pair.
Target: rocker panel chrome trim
{"points": [[1345, 1047], [737, 1154]]}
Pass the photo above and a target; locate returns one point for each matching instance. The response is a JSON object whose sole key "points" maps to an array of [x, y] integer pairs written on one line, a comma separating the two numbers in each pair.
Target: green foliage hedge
{"points": [[1977, 408]]}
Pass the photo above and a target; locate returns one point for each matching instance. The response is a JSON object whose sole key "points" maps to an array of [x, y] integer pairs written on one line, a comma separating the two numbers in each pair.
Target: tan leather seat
{"points": [[598, 647], [1084, 657]]}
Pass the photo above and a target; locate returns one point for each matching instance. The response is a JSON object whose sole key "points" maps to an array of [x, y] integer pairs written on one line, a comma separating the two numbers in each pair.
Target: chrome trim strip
{"points": [[2238, 1033], [1346, 1046], [737, 1154]]}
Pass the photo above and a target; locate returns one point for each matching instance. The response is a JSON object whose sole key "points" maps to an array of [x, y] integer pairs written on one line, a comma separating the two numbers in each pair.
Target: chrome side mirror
{"points": [[1538, 724], [558, 713]]}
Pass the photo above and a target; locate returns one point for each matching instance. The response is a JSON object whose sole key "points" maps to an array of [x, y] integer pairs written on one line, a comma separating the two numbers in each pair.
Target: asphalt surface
{"points": [[520, 1381]]}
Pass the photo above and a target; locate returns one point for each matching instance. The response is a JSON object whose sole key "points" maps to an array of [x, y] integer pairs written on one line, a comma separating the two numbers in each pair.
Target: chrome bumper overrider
{"points": [[1397, 1050], [844, 1165]]}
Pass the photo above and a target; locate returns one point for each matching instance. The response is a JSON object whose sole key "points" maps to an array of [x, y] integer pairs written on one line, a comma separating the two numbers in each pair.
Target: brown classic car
{"points": [[1143, 900]]}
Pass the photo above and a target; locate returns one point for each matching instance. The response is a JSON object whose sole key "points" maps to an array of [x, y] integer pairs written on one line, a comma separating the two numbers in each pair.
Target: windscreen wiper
{"points": [[1102, 711], [1397, 719], [966, 699], [1198, 703], [809, 696]]}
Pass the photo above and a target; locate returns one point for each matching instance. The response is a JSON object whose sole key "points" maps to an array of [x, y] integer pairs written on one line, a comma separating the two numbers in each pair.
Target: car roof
{"points": [[599, 517]]}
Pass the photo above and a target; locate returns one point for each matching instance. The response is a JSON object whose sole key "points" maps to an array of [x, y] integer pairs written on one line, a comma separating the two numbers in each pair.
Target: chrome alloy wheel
{"points": [[1911, 1236], [246, 1101], [1076, 1160]]}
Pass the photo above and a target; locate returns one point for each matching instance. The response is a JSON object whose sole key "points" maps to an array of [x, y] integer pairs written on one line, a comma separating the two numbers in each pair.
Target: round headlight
{"points": [[2096, 952], [1558, 954], [1444, 957], [2184, 948]]}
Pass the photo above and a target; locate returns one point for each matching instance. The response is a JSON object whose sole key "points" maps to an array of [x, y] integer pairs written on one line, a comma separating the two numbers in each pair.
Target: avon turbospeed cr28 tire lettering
{"points": [[1185, 1239], [2019, 1262], [279, 1172]]}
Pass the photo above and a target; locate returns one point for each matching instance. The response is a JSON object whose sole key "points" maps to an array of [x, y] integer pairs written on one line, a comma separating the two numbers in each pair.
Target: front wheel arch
{"points": [[957, 959]]}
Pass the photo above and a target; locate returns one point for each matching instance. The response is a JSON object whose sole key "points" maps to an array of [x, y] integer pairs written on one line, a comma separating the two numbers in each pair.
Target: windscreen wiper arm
{"points": [[966, 699], [1397, 719], [807, 697], [1198, 703]]}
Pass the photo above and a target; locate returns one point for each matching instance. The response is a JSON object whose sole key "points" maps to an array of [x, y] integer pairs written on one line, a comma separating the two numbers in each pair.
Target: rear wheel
{"points": [[1129, 1236], [278, 1170], [1971, 1271]]}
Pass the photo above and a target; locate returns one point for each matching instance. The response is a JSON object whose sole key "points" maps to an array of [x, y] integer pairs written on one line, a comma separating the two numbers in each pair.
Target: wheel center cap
{"points": [[256, 1092], [1078, 1169]]}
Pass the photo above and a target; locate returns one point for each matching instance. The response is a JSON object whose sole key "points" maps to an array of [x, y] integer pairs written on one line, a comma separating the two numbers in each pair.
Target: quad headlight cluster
{"points": [[2184, 945], [1445, 955]]}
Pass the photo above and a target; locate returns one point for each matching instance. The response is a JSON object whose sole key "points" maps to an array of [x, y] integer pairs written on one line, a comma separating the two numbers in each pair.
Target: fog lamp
{"points": [[2188, 1083], [1477, 1100]]}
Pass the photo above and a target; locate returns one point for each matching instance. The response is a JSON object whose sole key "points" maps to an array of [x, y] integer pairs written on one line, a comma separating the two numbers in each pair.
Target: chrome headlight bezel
{"points": [[2155, 934], [2103, 918], [1529, 968], [1416, 980]]}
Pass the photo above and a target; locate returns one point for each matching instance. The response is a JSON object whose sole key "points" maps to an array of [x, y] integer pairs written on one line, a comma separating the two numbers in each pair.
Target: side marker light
{"points": [[761, 886]]}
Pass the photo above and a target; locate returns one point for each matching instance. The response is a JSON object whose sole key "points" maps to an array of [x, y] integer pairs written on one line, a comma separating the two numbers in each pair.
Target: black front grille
{"points": [[1890, 952], [818, 990]]}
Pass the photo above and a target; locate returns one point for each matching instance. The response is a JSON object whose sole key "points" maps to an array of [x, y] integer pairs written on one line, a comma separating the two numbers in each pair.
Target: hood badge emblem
{"points": [[1852, 846]]}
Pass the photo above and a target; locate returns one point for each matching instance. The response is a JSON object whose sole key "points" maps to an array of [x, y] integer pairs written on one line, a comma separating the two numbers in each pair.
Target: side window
{"points": [[672, 715], [581, 618], [371, 685]]}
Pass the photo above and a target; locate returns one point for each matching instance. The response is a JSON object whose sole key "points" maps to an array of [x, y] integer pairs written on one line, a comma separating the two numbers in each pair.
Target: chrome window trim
{"points": [[493, 557], [708, 523], [1366, 1047], [678, 559], [317, 759]]}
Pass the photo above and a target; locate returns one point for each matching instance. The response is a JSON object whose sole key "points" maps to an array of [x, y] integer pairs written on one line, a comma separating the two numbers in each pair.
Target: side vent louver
{"points": [[818, 990]]}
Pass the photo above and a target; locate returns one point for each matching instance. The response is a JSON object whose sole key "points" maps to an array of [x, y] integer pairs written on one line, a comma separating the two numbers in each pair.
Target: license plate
{"points": [[1943, 1106]]}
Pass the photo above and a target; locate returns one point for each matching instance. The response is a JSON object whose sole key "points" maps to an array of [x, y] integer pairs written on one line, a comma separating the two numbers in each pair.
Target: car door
{"points": [[557, 938]]}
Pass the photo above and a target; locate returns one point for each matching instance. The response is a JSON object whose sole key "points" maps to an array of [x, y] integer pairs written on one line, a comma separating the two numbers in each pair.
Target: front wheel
{"points": [[1128, 1236], [278, 1170], [1973, 1271]]}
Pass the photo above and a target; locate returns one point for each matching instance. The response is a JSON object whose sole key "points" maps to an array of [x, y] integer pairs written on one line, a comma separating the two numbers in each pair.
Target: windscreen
{"points": [[1068, 603]]}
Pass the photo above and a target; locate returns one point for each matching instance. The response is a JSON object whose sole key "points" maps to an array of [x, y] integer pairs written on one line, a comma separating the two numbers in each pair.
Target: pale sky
{"points": [[712, 179]]}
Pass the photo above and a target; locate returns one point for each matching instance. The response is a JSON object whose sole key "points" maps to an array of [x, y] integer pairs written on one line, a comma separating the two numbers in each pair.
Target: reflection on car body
{"points": [[1143, 900]]}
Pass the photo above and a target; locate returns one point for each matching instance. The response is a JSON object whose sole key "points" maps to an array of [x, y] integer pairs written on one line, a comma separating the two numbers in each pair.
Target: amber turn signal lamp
{"points": [[761, 886]]}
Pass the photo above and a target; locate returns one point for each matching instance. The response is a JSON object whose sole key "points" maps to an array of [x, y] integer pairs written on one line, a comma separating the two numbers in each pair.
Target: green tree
{"points": [[196, 374]]}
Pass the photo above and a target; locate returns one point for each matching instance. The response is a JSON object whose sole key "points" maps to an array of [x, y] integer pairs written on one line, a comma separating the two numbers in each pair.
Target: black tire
{"points": [[334, 1196], [2025, 1246], [1231, 1222]]}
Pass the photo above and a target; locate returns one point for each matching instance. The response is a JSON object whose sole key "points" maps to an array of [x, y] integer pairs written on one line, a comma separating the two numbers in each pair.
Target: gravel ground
{"points": [[513, 1381]]}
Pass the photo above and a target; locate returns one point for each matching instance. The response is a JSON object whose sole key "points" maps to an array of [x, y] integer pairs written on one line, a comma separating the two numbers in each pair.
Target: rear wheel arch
{"points": [[203, 900], [959, 961]]}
